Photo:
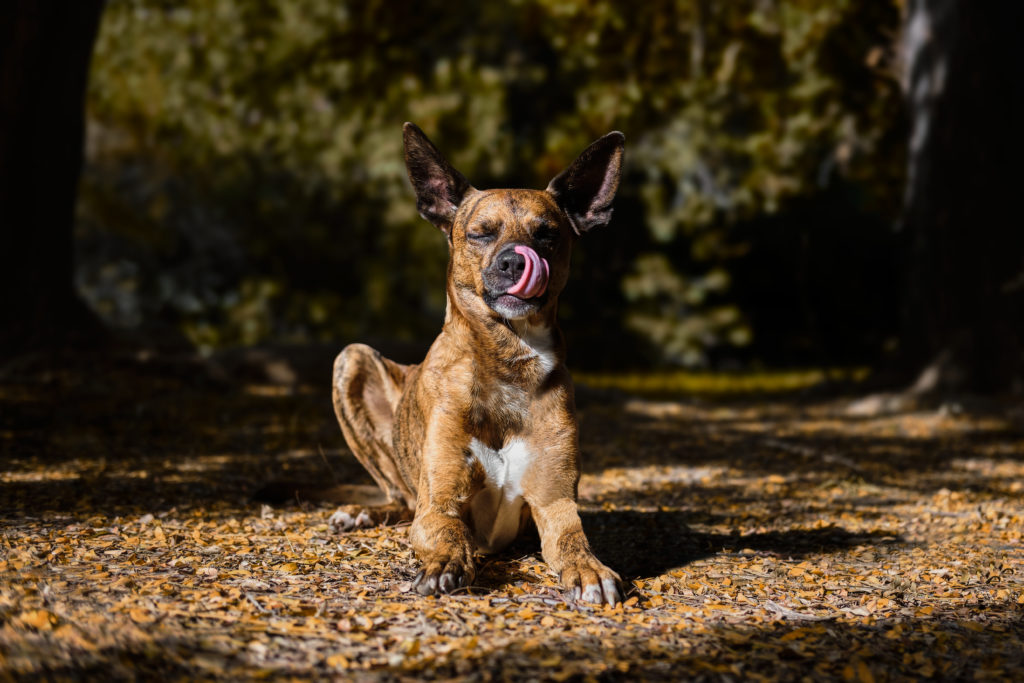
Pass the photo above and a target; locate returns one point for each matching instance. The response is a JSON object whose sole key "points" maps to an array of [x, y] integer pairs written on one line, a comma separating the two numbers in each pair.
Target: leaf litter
{"points": [[757, 539]]}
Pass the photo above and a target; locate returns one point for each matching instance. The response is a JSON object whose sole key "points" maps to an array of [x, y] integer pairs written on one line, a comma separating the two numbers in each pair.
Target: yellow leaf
{"points": [[337, 661], [547, 621], [140, 616], [39, 619], [527, 613], [632, 601], [288, 567]]}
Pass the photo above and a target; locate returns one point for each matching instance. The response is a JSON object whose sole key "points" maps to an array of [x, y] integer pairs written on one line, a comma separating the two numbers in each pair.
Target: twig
{"points": [[793, 614], [830, 457], [454, 615], [256, 604], [695, 601]]}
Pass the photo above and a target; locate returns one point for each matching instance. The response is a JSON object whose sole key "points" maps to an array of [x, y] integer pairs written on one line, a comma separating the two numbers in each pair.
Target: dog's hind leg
{"points": [[367, 388]]}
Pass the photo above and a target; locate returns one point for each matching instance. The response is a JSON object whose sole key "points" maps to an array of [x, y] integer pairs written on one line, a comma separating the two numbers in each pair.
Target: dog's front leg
{"points": [[439, 533], [567, 552]]}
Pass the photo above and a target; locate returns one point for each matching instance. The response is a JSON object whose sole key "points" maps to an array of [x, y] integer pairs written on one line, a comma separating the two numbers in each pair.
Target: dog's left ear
{"points": [[586, 189], [439, 187]]}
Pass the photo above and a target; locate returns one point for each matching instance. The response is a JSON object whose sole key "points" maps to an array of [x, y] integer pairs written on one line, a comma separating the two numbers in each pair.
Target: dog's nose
{"points": [[511, 264]]}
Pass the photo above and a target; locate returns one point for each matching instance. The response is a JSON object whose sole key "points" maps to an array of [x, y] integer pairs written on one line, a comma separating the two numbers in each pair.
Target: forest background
{"points": [[245, 185]]}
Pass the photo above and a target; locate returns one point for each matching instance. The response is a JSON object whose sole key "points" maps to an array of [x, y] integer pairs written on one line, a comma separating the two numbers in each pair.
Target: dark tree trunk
{"points": [[965, 291], [45, 49]]}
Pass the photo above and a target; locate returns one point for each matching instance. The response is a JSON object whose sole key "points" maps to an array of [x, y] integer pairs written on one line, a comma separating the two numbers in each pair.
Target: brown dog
{"points": [[481, 436]]}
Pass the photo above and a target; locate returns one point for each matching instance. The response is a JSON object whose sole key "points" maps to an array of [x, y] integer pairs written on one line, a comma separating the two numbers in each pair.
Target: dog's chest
{"points": [[497, 508]]}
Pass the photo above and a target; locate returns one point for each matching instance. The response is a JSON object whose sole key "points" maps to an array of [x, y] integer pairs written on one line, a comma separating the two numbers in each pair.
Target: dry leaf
{"points": [[39, 619]]}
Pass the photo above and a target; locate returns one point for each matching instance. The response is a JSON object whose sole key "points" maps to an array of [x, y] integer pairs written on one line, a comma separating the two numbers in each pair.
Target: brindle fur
{"points": [[412, 426]]}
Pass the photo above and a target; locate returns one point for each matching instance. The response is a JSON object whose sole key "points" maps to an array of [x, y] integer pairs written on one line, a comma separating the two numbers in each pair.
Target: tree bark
{"points": [[45, 50], [964, 298]]}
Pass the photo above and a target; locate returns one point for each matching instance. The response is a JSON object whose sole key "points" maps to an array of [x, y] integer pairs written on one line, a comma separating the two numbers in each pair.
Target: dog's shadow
{"points": [[642, 544]]}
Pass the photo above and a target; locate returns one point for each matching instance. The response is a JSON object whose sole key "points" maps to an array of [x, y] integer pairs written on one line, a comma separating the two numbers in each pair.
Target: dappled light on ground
{"points": [[756, 539]]}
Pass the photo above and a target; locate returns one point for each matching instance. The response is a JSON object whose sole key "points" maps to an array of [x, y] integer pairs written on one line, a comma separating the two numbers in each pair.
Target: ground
{"points": [[758, 538]]}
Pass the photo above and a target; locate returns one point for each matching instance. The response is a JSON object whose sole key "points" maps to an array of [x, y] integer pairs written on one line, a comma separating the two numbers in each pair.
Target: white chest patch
{"points": [[537, 342], [498, 507]]}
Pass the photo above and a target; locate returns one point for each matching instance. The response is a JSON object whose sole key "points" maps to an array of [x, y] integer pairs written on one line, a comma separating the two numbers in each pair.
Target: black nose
{"points": [[511, 264]]}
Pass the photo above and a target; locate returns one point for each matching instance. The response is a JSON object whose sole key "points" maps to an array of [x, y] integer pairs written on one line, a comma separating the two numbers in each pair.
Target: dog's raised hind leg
{"points": [[366, 391]]}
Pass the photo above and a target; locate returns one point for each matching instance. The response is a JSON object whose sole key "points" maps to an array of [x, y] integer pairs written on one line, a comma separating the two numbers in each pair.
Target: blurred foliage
{"points": [[245, 179]]}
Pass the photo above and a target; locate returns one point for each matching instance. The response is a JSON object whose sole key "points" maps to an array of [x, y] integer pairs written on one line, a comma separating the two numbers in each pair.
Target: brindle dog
{"points": [[481, 437]]}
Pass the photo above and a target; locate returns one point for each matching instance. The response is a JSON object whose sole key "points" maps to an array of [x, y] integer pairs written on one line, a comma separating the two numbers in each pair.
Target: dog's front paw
{"points": [[442, 574], [590, 581], [350, 517]]}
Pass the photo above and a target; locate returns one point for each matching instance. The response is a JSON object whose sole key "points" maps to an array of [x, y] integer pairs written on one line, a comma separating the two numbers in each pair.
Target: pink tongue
{"points": [[535, 275]]}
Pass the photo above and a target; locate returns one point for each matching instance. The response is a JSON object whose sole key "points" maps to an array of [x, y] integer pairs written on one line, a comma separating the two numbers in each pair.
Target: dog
{"points": [[481, 437]]}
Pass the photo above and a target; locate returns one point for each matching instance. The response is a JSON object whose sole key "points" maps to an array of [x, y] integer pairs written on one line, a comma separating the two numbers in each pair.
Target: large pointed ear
{"points": [[586, 189], [439, 187]]}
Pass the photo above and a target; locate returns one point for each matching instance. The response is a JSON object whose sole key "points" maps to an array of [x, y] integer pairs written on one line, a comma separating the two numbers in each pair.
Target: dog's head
{"points": [[510, 248]]}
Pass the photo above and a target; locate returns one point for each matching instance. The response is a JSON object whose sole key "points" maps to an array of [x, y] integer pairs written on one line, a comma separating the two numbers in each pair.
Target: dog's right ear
{"points": [[439, 187]]}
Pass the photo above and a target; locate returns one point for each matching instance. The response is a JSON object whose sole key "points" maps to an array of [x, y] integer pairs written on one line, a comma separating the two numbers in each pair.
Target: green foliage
{"points": [[245, 157]]}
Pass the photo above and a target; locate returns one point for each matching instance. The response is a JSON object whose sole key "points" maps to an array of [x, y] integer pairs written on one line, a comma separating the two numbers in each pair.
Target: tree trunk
{"points": [[45, 49], [964, 303]]}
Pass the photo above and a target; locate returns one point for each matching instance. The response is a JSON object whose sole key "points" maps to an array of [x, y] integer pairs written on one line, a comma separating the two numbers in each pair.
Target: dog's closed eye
{"points": [[480, 237]]}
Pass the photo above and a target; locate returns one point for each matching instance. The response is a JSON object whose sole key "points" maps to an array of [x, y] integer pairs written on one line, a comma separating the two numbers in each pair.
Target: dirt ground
{"points": [[758, 538]]}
